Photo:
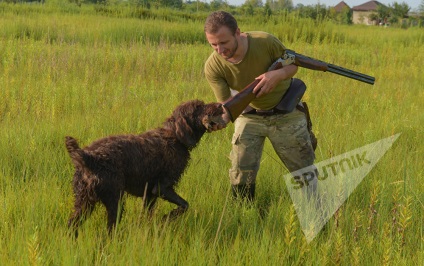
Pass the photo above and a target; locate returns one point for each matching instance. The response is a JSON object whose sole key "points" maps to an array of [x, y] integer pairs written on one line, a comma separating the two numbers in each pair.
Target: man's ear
{"points": [[237, 33]]}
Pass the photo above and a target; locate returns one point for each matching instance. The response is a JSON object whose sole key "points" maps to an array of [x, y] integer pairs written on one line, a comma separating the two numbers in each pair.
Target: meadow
{"points": [[86, 74]]}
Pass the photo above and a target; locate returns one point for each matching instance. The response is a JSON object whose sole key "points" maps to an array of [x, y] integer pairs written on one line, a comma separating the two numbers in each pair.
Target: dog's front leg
{"points": [[169, 194]]}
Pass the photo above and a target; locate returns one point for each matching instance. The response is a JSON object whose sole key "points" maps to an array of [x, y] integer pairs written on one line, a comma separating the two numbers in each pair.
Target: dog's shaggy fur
{"points": [[147, 165]]}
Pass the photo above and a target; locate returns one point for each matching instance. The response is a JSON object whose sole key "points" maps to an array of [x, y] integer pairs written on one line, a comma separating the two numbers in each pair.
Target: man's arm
{"points": [[269, 80], [222, 93]]}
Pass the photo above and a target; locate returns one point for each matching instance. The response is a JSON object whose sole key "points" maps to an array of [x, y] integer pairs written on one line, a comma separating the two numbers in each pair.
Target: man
{"points": [[240, 58]]}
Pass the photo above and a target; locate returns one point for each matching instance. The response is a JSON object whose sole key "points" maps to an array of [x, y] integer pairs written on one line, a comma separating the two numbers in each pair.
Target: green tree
{"points": [[346, 15], [177, 4], [400, 10], [254, 3], [217, 4], [342, 17], [267, 10], [373, 17], [383, 13], [315, 12], [195, 6], [280, 4], [248, 9]]}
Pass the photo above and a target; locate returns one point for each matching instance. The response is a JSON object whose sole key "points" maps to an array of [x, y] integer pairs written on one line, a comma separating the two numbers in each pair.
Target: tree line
{"points": [[395, 14]]}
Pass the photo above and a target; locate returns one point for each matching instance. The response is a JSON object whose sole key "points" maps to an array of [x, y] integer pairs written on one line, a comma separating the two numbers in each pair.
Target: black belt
{"points": [[269, 112], [274, 111]]}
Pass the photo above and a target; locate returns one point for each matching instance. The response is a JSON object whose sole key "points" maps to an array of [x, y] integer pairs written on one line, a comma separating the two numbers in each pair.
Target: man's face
{"points": [[224, 42]]}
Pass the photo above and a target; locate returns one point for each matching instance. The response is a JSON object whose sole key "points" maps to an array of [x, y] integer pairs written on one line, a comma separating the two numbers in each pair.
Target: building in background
{"points": [[366, 13]]}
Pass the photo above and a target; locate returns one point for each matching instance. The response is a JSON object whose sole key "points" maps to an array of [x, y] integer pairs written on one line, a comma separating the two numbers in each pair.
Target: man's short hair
{"points": [[218, 19]]}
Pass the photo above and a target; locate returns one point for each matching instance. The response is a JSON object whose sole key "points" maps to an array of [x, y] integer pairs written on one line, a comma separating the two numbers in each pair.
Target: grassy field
{"points": [[89, 75]]}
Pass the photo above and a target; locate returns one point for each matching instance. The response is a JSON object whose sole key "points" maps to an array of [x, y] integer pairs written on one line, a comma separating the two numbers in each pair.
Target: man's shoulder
{"points": [[212, 57], [264, 39], [214, 64], [260, 35], [213, 60]]}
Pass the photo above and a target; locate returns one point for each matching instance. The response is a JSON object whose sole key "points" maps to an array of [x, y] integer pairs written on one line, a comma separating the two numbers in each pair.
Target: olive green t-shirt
{"points": [[263, 50]]}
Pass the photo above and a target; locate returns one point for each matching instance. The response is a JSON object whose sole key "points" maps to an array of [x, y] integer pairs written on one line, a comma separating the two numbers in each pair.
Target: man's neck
{"points": [[241, 50]]}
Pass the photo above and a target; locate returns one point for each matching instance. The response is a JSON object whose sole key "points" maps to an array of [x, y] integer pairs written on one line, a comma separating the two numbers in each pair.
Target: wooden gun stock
{"points": [[236, 104]]}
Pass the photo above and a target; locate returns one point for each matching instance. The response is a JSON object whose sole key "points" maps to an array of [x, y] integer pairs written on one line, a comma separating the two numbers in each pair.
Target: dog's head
{"points": [[212, 115], [190, 120]]}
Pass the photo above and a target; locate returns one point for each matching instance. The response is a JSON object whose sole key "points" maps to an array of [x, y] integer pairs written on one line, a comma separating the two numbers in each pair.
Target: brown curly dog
{"points": [[148, 165]]}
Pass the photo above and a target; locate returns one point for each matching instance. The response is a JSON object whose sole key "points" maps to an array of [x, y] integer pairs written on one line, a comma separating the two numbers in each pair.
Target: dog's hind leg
{"points": [[79, 216], [112, 197], [114, 211], [83, 207]]}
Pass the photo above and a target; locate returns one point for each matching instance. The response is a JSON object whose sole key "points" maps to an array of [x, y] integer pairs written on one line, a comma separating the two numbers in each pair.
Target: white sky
{"points": [[412, 3]]}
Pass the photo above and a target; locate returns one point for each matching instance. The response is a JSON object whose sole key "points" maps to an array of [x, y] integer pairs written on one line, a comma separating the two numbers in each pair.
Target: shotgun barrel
{"points": [[291, 57], [351, 74]]}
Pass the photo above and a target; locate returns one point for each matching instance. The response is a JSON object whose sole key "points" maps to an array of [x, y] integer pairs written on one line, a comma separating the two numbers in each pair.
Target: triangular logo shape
{"points": [[319, 190]]}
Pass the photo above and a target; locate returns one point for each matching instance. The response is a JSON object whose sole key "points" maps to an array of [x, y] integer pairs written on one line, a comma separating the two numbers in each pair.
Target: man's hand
{"points": [[269, 80], [222, 123]]}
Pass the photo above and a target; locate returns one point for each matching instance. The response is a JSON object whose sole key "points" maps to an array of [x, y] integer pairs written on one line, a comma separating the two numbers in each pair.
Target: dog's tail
{"points": [[82, 174], [74, 151]]}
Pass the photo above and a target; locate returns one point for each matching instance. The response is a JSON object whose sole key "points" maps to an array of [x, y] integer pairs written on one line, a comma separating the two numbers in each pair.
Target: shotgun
{"points": [[236, 104], [291, 57]]}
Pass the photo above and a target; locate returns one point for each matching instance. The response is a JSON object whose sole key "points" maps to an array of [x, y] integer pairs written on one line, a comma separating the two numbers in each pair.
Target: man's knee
{"points": [[245, 164]]}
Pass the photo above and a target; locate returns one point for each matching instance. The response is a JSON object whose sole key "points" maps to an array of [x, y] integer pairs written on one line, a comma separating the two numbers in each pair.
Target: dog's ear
{"points": [[184, 132]]}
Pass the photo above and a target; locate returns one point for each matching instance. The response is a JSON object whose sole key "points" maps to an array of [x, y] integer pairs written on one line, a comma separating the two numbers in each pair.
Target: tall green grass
{"points": [[90, 75]]}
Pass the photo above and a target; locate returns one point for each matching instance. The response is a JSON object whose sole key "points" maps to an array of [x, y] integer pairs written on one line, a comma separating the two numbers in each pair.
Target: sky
{"points": [[412, 3]]}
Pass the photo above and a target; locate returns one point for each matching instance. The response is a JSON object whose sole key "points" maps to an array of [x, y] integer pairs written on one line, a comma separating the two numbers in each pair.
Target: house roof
{"points": [[340, 6], [368, 6]]}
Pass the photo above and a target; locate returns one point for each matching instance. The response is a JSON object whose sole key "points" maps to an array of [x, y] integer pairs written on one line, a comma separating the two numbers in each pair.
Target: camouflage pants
{"points": [[288, 134]]}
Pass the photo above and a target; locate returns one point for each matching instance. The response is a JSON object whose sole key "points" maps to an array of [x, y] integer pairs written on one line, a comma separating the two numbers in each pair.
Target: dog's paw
{"points": [[174, 214]]}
